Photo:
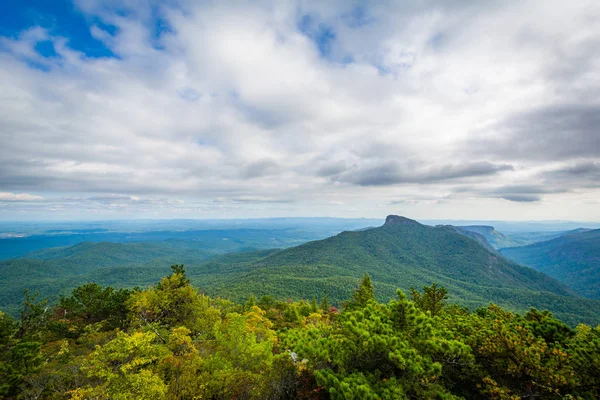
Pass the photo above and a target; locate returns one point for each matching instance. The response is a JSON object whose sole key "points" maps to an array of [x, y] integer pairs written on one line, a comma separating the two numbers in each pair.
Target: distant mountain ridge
{"points": [[496, 239], [573, 258], [473, 235]]}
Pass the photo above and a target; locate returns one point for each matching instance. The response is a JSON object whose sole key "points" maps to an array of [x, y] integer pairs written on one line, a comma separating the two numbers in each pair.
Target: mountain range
{"points": [[399, 254]]}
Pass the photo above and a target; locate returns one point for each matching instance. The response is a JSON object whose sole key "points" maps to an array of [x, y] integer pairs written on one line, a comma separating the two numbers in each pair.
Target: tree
{"points": [[512, 357], [324, 304], [173, 303], [34, 316], [433, 298], [90, 304], [126, 368], [251, 302], [585, 359], [313, 305], [364, 354], [362, 295]]}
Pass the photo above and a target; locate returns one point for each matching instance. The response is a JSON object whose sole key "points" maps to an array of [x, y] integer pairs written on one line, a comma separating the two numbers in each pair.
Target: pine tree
{"points": [[324, 304], [432, 300], [363, 294], [313, 305], [251, 302]]}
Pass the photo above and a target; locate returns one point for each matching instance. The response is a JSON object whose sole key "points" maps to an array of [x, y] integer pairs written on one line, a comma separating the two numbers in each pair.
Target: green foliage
{"points": [[433, 299], [585, 360], [34, 315], [363, 295], [517, 356], [378, 351], [90, 304], [176, 343], [324, 306], [18, 359], [173, 302], [127, 368]]}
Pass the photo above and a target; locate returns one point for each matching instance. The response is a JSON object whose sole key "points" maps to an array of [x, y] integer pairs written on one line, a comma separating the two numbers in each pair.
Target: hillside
{"points": [[401, 253], [573, 259], [53, 272]]}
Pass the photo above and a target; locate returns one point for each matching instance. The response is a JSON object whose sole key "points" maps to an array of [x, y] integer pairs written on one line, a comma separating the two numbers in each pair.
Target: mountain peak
{"points": [[398, 220]]}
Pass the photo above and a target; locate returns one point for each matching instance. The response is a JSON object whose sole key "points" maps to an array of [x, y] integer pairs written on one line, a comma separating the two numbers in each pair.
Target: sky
{"points": [[237, 109]]}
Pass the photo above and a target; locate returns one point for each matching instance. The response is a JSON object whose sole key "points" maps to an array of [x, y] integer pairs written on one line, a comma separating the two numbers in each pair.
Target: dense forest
{"points": [[172, 341]]}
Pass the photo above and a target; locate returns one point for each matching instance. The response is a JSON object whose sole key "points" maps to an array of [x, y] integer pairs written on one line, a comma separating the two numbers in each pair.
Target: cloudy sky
{"points": [[225, 109]]}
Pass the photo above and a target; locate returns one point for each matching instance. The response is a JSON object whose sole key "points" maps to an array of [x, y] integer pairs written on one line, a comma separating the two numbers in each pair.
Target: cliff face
{"points": [[398, 220]]}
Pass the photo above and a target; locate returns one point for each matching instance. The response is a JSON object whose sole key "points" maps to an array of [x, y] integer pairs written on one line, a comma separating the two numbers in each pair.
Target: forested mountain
{"points": [[573, 259], [400, 254]]}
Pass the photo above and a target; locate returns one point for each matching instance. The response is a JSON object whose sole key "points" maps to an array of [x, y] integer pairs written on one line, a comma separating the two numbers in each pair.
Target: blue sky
{"points": [[187, 109], [60, 18]]}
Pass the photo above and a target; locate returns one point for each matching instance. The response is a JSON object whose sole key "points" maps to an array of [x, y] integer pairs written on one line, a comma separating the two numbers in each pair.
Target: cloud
{"points": [[521, 193], [113, 198], [520, 198], [338, 106], [260, 168], [392, 173], [6, 196], [582, 174], [252, 200], [549, 133]]}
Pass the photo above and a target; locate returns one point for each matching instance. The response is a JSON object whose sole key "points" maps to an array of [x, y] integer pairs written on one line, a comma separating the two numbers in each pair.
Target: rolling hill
{"points": [[573, 259]]}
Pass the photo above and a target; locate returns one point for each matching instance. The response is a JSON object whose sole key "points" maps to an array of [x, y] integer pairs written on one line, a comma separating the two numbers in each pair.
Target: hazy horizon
{"points": [[208, 223]]}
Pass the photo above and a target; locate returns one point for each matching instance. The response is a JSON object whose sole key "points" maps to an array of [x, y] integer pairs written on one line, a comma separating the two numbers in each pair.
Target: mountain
{"points": [[573, 258], [400, 254]]}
